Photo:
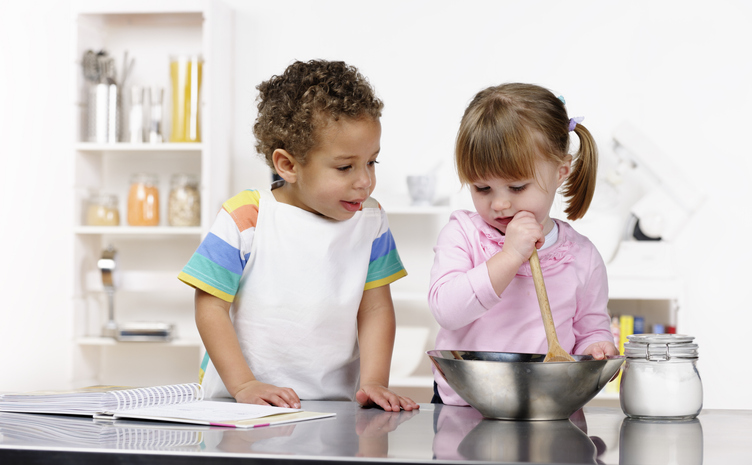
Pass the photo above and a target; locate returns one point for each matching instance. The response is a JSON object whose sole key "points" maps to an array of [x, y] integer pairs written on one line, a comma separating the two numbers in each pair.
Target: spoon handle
{"points": [[545, 308]]}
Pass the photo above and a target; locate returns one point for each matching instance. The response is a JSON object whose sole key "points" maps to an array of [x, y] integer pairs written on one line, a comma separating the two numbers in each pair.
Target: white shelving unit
{"points": [[149, 258]]}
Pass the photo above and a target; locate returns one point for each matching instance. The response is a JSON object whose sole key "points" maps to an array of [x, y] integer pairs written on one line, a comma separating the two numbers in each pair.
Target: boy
{"points": [[292, 282]]}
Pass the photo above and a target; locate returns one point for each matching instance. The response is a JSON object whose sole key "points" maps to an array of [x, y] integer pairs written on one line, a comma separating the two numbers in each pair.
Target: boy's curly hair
{"points": [[307, 96]]}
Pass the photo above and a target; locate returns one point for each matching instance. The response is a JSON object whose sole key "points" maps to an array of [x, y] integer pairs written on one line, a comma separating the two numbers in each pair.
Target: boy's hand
{"points": [[256, 392], [375, 394], [599, 350]]}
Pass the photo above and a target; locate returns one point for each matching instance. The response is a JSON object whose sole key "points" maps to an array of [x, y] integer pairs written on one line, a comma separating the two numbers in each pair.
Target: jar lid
{"points": [[184, 179], [660, 347]]}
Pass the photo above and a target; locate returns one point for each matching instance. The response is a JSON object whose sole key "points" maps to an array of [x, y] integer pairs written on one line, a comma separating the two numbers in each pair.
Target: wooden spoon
{"points": [[555, 351]]}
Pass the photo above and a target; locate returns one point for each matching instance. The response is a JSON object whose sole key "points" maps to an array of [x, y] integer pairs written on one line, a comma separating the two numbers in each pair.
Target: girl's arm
{"points": [[464, 284], [376, 326], [221, 342]]}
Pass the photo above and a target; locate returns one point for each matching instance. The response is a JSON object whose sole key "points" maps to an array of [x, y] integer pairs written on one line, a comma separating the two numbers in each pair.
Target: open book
{"points": [[181, 403]]}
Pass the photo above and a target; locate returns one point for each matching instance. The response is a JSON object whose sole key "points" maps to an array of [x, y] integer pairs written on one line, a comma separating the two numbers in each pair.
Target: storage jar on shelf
{"points": [[143, 200], [184, 205], [101, 210], [185, 76]]}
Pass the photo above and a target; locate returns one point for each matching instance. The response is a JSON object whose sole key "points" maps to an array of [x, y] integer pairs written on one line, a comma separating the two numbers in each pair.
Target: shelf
{"points": [[139, 230], [108, 341], [410, 210], [410, 296], [126, 147], [411, 381]]}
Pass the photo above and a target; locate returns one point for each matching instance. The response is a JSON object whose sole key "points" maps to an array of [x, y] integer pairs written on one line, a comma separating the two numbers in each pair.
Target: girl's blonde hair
{"points": [[506, 128]]}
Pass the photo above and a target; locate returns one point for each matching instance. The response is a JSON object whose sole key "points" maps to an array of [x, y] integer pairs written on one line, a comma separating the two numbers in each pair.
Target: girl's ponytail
{"points": [[580, 185]]}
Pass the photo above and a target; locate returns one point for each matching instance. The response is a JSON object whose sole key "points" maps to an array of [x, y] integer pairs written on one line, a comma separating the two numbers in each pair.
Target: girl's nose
{"points": [[500, 203]]}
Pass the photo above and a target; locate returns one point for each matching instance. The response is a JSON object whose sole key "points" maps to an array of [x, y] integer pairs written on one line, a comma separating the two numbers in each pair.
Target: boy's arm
{"points": [[221, 342], [376, 326]]}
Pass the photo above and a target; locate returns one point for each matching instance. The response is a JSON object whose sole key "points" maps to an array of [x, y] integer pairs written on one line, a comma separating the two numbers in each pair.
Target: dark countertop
{"points": [[432, 434]]}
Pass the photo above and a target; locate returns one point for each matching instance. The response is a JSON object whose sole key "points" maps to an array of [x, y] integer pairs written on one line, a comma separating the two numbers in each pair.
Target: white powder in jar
{"points": [[669, 388]]}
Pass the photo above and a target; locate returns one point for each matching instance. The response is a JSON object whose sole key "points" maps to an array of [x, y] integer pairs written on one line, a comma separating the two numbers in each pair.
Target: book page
{"points": [[206, 412]]}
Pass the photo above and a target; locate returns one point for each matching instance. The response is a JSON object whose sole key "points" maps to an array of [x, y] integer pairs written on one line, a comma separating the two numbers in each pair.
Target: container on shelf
{"points": [[155, 125], [136, 116], [184, 203], [185, 77], [660, 378], [101, 210], [143, 200]]}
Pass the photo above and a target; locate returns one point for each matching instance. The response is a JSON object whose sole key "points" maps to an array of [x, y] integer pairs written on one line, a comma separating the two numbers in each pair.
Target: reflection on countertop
{"points": [[433, 433]]}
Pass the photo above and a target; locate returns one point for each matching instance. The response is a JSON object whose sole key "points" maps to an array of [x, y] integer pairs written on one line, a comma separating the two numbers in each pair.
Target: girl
{"points": [[512, 151]]}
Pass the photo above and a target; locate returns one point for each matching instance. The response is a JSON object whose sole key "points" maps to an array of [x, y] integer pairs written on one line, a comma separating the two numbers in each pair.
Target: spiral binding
{"points": [[158, 395]]}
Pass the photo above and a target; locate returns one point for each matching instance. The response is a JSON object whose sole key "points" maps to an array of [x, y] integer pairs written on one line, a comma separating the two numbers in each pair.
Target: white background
{"points": [[679, 70]]}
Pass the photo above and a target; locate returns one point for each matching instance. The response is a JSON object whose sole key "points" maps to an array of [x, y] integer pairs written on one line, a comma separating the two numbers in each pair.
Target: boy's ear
{"points": [[286, 165]]}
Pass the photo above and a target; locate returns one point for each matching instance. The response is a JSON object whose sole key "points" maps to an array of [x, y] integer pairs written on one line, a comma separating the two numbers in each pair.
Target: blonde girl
{"points": [[513, 152]]}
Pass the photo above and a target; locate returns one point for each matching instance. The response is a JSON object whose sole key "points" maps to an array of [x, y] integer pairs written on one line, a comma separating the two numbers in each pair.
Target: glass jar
{"points": [[185, 77], [660, 378], [184, 205], [143, 200], [102, 210]]}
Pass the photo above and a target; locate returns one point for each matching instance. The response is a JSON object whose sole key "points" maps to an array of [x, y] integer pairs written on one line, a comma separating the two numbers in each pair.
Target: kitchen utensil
{"points": [[106, 264], [515, 386], [555, 352]]}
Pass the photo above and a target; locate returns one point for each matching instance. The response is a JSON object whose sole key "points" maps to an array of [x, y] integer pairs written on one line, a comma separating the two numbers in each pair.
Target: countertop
{"points": [[435, 433]]}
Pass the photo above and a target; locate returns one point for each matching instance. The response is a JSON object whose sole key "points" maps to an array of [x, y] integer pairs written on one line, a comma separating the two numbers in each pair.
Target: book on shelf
{"points": [[177, 403]]}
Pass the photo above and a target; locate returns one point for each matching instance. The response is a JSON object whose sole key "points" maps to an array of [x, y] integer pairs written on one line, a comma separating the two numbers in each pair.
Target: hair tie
{"points": [[573, 122]]}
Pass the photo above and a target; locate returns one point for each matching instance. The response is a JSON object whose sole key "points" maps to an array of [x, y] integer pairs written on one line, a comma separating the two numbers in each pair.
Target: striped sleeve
{"points": [[385, 265], [217, 265]]}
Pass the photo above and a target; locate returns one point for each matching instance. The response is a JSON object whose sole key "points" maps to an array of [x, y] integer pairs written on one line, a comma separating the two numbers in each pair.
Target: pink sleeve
{"points": [[460, 289], [591, 320]]}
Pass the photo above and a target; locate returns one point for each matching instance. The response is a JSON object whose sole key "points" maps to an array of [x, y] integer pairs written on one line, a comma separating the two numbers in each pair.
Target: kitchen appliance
{"points": [[515, 386], [127, 332]]}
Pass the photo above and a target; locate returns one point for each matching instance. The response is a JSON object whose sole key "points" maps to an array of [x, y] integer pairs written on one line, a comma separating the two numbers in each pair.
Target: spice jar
{"points": [[143, 200], [102, 210], [184, 207], [660, 378]]}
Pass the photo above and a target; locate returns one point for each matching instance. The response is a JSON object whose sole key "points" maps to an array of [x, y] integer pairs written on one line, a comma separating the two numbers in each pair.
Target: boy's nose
{"points": [[364, 180]]}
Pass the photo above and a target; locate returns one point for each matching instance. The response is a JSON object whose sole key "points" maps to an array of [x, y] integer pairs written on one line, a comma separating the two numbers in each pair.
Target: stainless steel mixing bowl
{"points": [[512, 386]]}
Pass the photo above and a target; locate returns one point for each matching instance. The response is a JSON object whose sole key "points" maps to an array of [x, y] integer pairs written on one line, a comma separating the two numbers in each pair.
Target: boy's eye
{"points": [[518, 188], [482, 188]]}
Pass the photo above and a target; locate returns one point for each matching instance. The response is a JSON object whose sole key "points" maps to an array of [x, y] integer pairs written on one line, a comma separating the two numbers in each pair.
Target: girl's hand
{"points": [[599, 350], [523, 235], [256, 392], [374, 394]]}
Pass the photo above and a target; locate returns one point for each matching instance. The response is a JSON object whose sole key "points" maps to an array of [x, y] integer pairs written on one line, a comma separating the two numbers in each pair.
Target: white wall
{"points": [[679, 70]]}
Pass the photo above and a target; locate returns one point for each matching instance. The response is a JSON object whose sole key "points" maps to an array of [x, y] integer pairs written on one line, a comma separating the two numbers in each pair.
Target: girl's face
{"points": [[497, 200], [340, 172]]}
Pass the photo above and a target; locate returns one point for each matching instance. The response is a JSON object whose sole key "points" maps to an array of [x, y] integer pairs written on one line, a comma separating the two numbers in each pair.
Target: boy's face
{"points": [[340, 171]]}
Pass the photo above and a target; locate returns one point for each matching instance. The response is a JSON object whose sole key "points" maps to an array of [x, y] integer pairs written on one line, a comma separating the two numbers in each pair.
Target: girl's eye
{"points": [[518, 188], [373, 163], [344, 168], [482, 188]]}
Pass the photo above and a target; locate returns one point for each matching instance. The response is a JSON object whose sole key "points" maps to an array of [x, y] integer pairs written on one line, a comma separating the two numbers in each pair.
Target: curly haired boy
{"points": [[292, 281]]}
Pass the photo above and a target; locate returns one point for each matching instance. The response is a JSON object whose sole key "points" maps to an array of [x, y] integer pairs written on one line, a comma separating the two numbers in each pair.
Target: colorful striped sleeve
{"points": [[217, 265], [385, 265]]}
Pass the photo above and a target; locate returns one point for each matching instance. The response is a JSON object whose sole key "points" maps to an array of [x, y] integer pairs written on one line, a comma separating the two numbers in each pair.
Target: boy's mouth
{"points": [[351, 206]]}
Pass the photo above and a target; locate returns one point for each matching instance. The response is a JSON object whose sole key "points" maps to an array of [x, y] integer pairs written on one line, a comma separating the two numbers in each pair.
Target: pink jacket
{"points": [[472, 317]]}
